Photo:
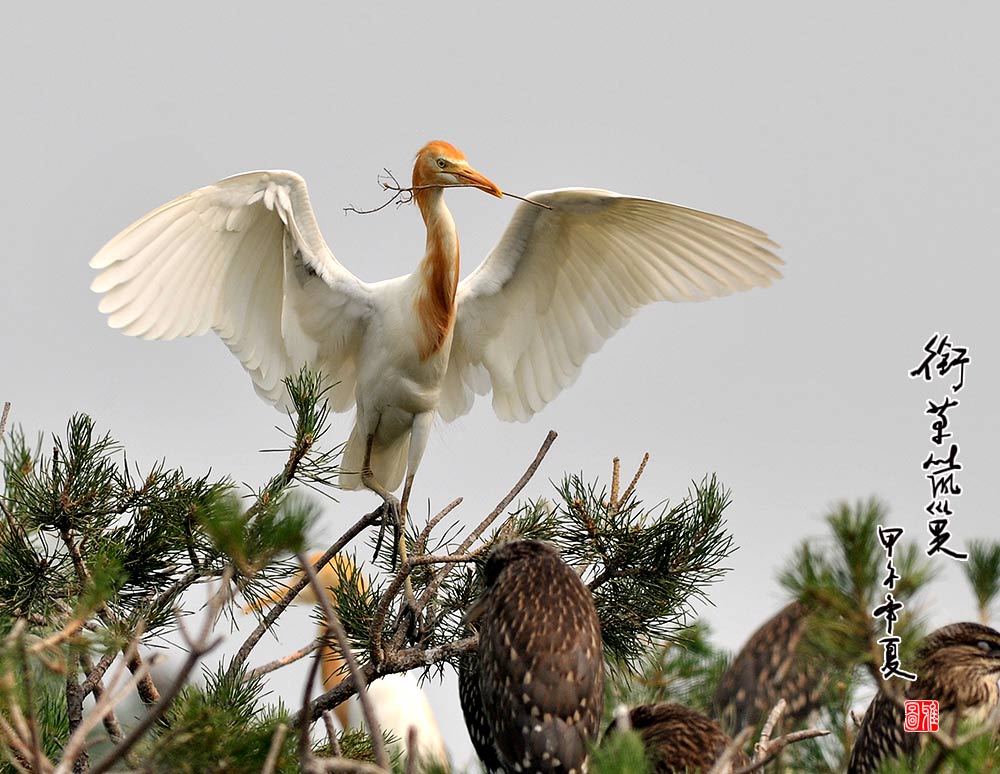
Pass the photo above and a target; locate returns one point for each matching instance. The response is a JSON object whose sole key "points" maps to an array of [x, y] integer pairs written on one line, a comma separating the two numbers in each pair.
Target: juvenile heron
{"points": [[532, 695], [957, 666]]}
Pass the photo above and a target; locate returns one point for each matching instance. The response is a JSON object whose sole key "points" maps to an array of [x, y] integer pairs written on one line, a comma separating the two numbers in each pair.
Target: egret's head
{"points": [[441, 163]]}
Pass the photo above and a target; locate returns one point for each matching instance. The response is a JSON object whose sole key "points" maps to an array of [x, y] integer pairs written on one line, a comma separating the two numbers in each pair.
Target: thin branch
{"points": [[305, 751], [723, 762], [54, 640], [411, 750], [18, 748], [772, 720], [284, 661], [197, 648], [775, 747], [342, 766], [402, 661], [275, 750], [421, 545], [433, 586], [331, 734], [29, 699], [635, 478], [404, 195], [416, 561], [3, 419], [76, 746], [767, 749], [334, 626], [111, 724], [293, 590]]}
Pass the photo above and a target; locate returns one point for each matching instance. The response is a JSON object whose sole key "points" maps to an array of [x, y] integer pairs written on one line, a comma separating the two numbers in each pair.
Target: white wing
{"points": [[243, 257], [561, 281]]}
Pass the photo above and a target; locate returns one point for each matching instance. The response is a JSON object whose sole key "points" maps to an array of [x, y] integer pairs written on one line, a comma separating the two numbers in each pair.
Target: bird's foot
{"points": [[390, 517], [416, 628]]}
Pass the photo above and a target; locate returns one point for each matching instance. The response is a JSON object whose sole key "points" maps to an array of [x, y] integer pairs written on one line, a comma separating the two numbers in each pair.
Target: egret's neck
{"points": [[438, 272]]}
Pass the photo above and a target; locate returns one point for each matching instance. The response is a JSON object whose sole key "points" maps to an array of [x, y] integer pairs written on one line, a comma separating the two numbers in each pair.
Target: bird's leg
{"points": [[419, 433], [368, 480], [397, 515]]}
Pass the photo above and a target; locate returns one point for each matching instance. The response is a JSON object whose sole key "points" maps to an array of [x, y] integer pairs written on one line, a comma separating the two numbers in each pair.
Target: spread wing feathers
{"points": [[245, 258], [561, 281]]}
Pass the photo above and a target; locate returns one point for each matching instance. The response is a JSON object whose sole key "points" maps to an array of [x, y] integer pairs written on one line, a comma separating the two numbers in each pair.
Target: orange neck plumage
{"points": [[438, 272]]}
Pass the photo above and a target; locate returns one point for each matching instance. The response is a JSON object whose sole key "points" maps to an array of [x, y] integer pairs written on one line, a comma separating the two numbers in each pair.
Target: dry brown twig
{"points": [[395, 658], [284, 661], [331, 734], [278, 739], [474, 535], [334, 627], [404, 195], [723, 762], [197, 647], [293, 590], [767, 749]]}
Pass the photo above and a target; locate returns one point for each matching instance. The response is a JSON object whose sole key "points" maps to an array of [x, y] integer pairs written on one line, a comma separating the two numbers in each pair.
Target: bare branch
{"points": [[766, 750], [333, 626], [722, 763], [635, 478], [197, 648], [21, 754], [435, 584], [421, 545], [402, 661], [280, 731], [293, 590], [411, 750], [331, 734], [111, 724], [284, 661], [404, 195], [3, 419]]}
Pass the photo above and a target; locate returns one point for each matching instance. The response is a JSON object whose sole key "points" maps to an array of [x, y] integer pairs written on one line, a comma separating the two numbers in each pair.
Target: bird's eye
{"points": [[984, 646], [441, 163]]}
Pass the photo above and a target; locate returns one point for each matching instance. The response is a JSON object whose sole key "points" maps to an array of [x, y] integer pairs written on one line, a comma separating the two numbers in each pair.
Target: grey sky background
{"points": [[861, 137]]}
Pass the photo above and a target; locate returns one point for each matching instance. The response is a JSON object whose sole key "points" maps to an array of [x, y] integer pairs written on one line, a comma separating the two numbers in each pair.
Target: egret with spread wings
{"points": [[244, 257]]}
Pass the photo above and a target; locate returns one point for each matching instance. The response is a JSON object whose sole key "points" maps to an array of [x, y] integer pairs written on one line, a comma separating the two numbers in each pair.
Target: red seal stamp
{"points": [[921, 715]]}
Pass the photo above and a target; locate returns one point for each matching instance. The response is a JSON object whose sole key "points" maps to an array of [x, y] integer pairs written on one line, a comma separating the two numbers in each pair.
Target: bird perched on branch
{"points": [[244, 257], [397, 700], [958, 666], [680, 740], [770, 666], [532, 696]]}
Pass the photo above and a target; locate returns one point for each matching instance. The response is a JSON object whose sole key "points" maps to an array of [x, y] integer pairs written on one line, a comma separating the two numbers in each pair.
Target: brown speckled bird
{"points": [[680, 740], [770, 667], [532, 698], [476, 720], [957, 665]]}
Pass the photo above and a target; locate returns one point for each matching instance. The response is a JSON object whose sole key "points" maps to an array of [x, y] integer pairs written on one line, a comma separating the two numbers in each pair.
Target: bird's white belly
{"points": [[394, 383]]}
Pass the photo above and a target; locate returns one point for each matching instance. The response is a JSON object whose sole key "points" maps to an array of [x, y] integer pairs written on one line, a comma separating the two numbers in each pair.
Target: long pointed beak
{"points": [[479, 180]]}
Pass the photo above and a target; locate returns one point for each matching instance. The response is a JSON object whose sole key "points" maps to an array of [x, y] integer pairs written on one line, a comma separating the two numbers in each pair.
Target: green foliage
{"points": [[96, 557], [620, 753], [840, 580], [982, 570], [684, 670], [220, 727], [647, 568]]}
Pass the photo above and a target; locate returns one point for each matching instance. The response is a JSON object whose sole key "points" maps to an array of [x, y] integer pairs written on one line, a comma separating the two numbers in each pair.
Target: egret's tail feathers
{"points": [[388, 463]]}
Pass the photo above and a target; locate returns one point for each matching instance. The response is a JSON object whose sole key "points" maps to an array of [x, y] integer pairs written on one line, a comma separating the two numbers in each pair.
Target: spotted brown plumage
{"points": [[769, 667], [539, 667], [958, 666], [680, 740], [476, 721]]}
